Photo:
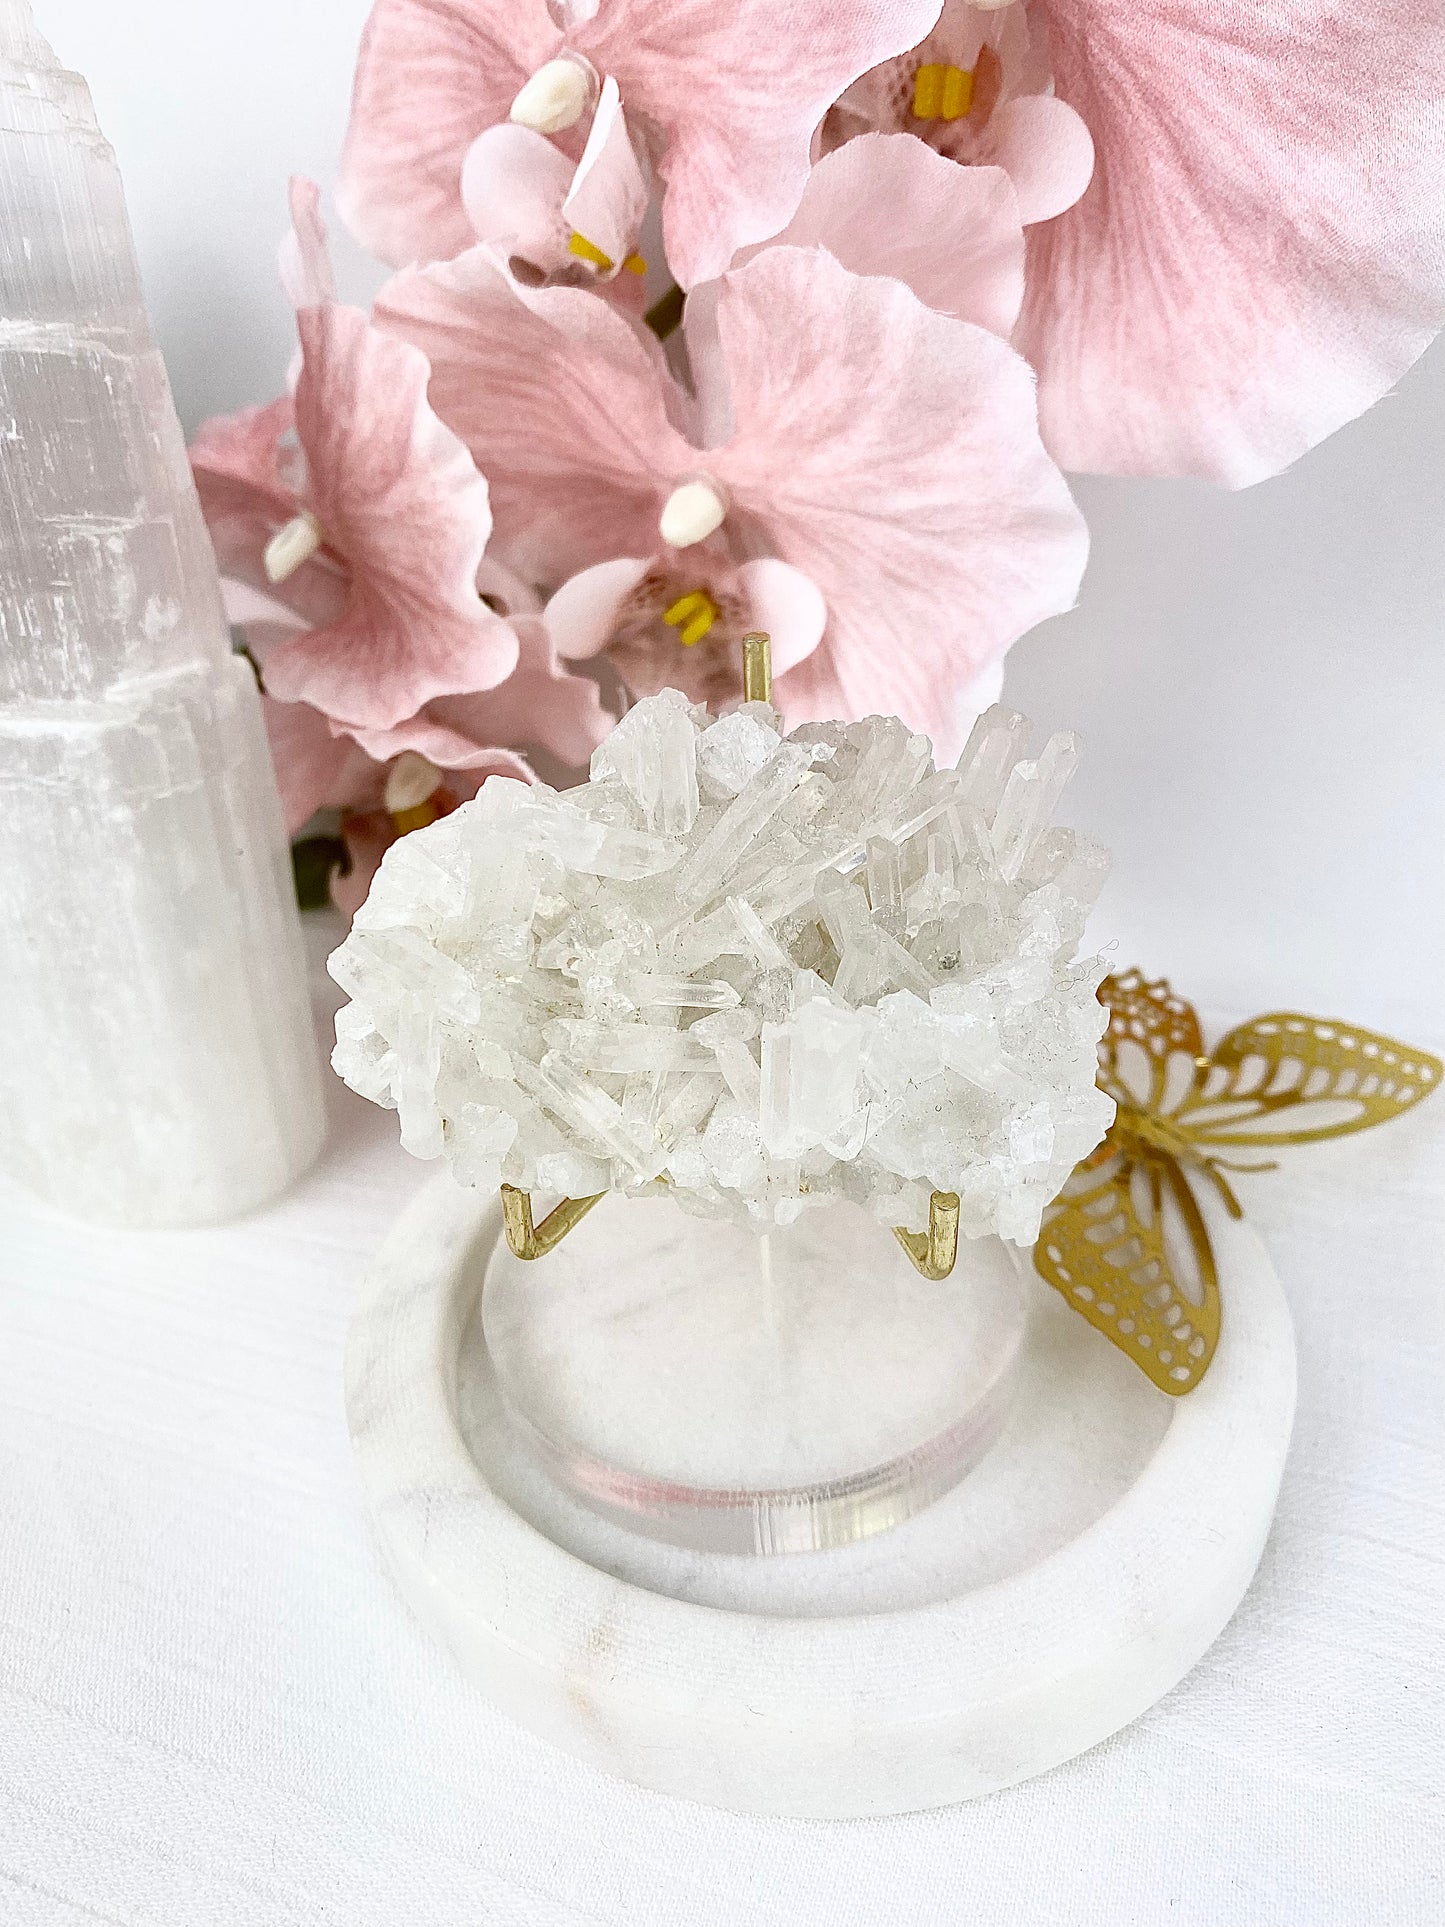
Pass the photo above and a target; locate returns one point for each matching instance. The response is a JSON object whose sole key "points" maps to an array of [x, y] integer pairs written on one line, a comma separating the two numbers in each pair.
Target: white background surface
{"points": [[213, 1713], [1259, 679]]}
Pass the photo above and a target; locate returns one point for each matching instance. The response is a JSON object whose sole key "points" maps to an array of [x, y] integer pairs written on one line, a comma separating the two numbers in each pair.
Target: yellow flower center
{"points": [[692, 616], [941, 92], [589, 252], [416, 818], [414, 792]]}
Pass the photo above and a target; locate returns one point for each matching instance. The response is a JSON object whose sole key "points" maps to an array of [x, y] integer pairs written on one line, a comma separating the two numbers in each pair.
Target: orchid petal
{"points": [[892, 454], [540, 705], [315, 770], [248, 606], [246, 496], [560, 402], [265, 621], [1046, 151], [737, 92], [305, 262], [447, 746], [1261, 254], [236, 463], [505, 590], [960, 247], [788, 606], [581, 616], [711, 420], [608, 196], [368, 838], [399, 496], [513, 185]]}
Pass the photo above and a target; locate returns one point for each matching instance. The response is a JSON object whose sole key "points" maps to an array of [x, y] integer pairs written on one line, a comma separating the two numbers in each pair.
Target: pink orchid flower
{"points": [[242, 465], [882, 457], [375, 616], [379, 510], [979, 91], [1262, 252], [727, 98]]}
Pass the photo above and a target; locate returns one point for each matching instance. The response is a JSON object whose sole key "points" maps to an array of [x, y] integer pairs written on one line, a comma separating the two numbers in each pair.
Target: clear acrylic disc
{"points": [[736, 1393]]}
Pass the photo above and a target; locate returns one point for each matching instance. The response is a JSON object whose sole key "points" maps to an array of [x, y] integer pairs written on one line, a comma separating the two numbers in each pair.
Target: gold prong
{"points": [[934, 1251], [757, 668], [529, 1241]]}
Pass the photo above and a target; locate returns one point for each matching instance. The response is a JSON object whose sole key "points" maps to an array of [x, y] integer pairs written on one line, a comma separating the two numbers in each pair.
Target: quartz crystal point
{"points": [[159, 1066], [825, 971]]}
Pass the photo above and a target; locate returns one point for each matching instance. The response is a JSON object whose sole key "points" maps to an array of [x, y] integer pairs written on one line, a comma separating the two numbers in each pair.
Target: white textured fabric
{"points": [[215, 1713]]}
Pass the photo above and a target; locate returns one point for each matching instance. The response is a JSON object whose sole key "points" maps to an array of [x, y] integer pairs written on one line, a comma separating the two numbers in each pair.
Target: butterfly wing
{"points": [[1150, 1025], [1127, 1247], [1289, 1079]]}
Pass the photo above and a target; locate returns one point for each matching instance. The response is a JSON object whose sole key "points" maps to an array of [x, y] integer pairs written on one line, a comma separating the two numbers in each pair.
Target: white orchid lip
{"points": [[692, 513], [556, 97], [292, 544], [412, 781]]}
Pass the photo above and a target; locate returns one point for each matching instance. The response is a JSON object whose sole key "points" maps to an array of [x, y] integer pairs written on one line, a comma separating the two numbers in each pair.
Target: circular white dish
{"points": [[1075, 1576]]}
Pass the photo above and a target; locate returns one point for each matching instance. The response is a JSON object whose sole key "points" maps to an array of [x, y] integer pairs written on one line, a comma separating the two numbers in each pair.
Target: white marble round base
{"points": [[1076, 1575]]}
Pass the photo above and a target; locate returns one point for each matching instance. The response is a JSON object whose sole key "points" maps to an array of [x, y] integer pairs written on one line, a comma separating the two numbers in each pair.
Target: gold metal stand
{"points": [[932, 1252]]}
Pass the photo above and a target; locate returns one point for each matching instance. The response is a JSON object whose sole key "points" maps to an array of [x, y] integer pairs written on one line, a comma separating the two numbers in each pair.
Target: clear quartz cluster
{"points": [[762, 971]]}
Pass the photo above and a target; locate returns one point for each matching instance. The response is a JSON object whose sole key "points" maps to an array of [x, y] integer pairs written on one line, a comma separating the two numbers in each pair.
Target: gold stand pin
{"points": [[535, 1241], [932, 1252], [757, 668]]}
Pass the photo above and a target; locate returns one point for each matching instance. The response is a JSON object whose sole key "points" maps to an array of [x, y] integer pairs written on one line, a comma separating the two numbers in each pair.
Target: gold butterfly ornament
{"points": [[1126, 1242]]}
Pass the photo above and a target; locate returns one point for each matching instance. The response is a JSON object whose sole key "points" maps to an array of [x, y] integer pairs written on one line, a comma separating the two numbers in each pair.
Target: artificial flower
{"points": [[884, 452], [1261, 254], [385, 518], [540, 706], [979, 91], [727, 98], [379, 511]]}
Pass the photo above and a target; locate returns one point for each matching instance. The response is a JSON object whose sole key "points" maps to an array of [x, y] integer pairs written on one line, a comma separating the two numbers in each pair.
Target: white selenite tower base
{"points": [[1077, 1573], [167, 1070]]}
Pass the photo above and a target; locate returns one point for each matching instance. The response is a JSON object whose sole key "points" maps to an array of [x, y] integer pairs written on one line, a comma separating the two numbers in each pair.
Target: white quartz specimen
{"points": [[840, 974], [158, 1065]]}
